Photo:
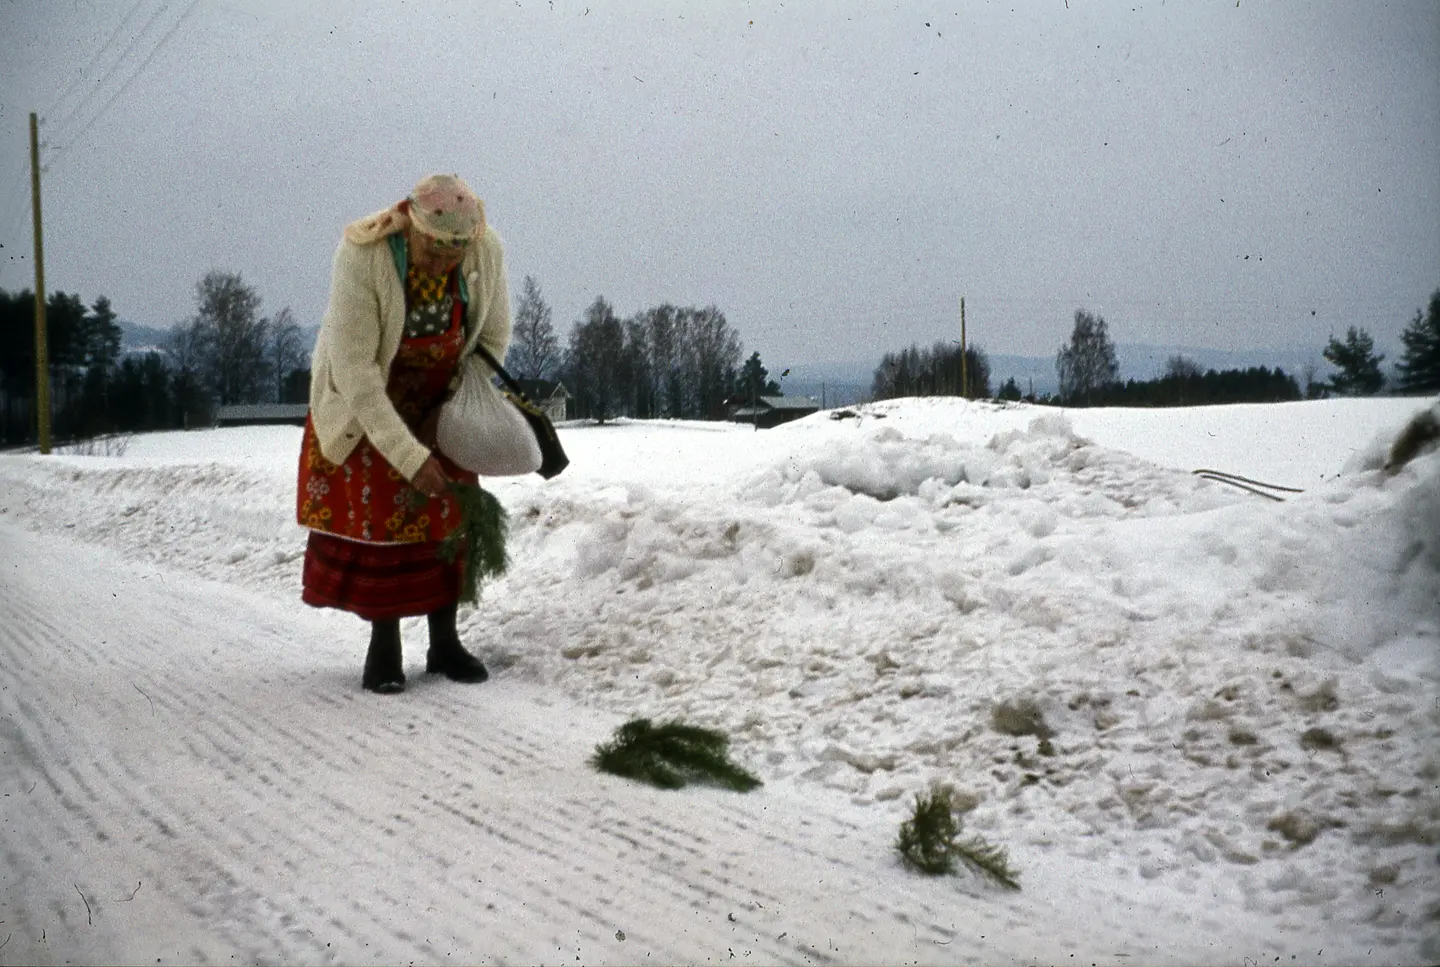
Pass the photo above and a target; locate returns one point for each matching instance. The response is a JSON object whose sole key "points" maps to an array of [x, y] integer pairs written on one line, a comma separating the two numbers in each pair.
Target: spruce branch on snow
{"points": [[670, 755], [480, 537], [930, 842]]}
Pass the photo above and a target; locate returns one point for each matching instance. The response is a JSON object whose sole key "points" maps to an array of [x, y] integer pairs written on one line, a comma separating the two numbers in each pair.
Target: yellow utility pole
{"points": [[42, 360], [964, 356]]}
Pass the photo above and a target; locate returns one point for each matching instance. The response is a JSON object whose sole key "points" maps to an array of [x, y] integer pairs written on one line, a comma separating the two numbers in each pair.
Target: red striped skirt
{"points": [[378, 582]]}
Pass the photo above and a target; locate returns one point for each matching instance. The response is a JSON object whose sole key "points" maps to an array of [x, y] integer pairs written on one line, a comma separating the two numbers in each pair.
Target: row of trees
{"points": [[665, 362], [225, 353], [228, 353], [1088, 368], [1185, 385], [942, 370], [83, 348]]}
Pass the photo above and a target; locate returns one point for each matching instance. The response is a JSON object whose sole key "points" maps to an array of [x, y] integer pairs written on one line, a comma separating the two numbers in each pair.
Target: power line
{"points": [[94, 60], [79, 108], [140, 70]]}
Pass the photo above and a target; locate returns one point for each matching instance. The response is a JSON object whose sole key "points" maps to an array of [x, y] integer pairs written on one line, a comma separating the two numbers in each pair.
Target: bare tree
{"points": [[534, 347], [931, 372], [635, 379], [1182, 367], [188, 349], [287, 350], [664, 336], [237, 360], [714, 359], [1088, 364]]}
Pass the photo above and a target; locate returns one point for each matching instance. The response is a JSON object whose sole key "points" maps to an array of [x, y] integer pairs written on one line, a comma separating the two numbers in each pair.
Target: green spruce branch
{"points": [[930, 842], [670, 755], [480, 536]]}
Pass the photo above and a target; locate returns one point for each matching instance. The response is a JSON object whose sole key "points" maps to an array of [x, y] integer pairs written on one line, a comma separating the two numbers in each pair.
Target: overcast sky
{"points": [[832, 174]]}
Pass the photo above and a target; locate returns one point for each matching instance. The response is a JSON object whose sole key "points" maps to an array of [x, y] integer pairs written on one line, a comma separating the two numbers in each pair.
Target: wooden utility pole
{"points": [[42, 356], [964, 355]]}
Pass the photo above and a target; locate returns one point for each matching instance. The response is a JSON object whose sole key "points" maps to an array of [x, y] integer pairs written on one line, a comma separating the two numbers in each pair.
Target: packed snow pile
{"points": [[1112, 659]]}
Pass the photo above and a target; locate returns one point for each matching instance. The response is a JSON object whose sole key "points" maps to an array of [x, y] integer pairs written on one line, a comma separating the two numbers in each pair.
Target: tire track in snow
{"points": [[73, 802], [224, 734], [85, 794]]}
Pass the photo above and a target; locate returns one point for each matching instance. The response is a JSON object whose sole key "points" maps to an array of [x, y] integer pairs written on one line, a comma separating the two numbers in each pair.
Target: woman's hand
{"points": [[430, 479]]}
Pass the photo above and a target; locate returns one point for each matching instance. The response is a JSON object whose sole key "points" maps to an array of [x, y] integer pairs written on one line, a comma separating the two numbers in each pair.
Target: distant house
{"points": [[550, 396], [262, 414], [768, 411]]}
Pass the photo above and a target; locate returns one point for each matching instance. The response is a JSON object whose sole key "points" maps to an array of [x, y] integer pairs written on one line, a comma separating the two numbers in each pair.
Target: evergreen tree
{"points": [[67, 330], [534, 348], [1419, 367], [1254, 385], [296, 388], [17, 365], [67, 324], [1359, 366], [142, 397], [103, 343], [1010, 390], [102, 356], [754, 380], [1088, 364]]}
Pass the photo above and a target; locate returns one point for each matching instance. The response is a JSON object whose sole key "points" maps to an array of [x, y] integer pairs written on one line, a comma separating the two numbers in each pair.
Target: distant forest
{"points": [[1088, 369], [664, 362], [226, 353], [675, 362]]}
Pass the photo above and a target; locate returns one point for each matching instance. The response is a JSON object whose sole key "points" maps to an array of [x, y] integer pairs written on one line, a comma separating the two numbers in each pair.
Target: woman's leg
{"points": [[447, 656], [384, 669]]}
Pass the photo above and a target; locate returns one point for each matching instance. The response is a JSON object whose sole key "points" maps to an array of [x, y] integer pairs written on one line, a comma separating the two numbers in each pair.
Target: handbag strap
{"points": [[505, 377]]}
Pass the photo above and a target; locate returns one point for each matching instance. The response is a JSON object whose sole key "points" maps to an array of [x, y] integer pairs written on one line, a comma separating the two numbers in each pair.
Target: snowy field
{"points": [[1232, 704]]}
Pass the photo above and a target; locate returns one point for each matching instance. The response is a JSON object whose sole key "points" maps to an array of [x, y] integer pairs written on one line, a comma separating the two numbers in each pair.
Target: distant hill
{"points": [[137, 338], [830, 384]]}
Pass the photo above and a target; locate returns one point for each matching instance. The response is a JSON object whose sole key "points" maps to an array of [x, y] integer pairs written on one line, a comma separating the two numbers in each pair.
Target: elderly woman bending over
{"points": [[415, 287]]}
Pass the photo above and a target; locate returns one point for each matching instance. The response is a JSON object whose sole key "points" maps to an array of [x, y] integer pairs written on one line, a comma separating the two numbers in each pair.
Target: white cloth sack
{"points": [[483, 431]]}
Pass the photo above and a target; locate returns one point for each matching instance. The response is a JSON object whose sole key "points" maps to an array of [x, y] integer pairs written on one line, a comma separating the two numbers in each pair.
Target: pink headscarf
{"points": [[441, 206]]}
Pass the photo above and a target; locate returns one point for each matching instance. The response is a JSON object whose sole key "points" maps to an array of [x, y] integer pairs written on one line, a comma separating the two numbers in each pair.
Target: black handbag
{"points": [[552, 454]]}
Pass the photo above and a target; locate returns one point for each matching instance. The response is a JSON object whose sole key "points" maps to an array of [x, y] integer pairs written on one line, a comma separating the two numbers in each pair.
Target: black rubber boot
{"points": [[447, 656], [384, 670]]}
